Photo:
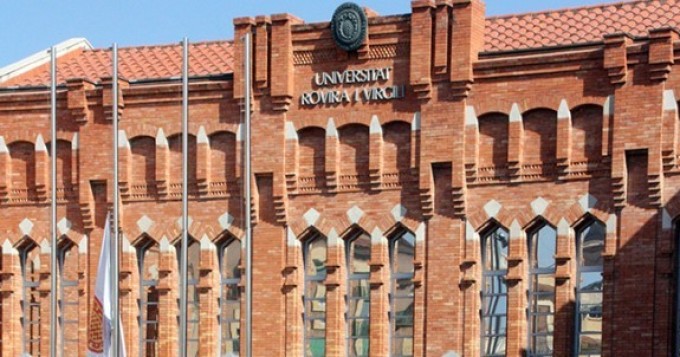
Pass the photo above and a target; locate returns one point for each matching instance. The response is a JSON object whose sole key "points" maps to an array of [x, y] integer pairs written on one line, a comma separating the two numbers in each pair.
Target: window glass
{"points": [[403, 292], [541, 290], [494, 292], [590, 246], [315, 255], [358, 295], [230, 300]]}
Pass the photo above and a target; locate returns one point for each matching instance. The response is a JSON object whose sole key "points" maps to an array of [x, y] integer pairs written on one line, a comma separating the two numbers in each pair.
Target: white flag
{"points": [[99, 335]]}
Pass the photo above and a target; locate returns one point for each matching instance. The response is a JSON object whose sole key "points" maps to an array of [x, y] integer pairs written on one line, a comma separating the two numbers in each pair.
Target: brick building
{"points": [[456, 186]]}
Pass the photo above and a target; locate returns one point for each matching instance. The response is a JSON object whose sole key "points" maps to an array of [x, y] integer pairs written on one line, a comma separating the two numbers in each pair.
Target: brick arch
{"points": [[25, 240], [30, 136], [574, 214], [225, 236], [364, 120], [479, 219], [490, 224], [214, 127], [536, 222], [306, 125], [140, 129], [352, 231]]}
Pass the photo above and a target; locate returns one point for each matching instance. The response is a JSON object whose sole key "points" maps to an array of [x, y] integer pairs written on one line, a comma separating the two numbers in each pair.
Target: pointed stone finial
{"points": [[290, 131], [333, 238], [8, 249], [40, 144], [470, 116], [608, 107], [240, 132], [470, 234], [202, 137], [161, 139], [563, 112], [291, 238], [515, 230], [375, 127], [515, 114], [45, 247], [207, 244], [123, 142], [415, 124], [669, 101], [420, 232], [82, 245], [377, 237], [612, 223], [563, 228], [3, 146], [164, 245], [74, 142], [331, 130]]}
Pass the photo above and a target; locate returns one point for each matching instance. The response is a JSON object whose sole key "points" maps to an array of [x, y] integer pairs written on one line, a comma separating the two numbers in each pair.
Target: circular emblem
{"points": [[349, 26]]}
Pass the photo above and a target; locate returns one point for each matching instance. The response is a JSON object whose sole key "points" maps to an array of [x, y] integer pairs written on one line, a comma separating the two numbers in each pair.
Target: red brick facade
{"points": [[577, 128]]}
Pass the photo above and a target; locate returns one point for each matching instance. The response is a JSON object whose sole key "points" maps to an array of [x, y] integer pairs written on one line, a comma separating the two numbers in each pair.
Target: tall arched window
{"points": [[68, 298], [494, 292], [541, 290], [193, 303], [590, 246], [30, 271], [315, 256], [402, 254], [230, 298], [149, 264], [358, 294]]}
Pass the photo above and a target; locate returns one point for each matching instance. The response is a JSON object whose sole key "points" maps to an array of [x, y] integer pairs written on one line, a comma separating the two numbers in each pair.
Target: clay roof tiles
{"points": [[578, 25], [503, 33], [135, 63]]}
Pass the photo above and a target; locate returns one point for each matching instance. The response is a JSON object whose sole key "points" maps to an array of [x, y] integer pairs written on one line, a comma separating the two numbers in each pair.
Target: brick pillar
{"points": [[129, 294], [380, 288], [293, 291], [565, 280], [167, 300], [292, 156], [515, 142], [375, 153], [332, 155], [209, 291], [419, 317], [470, 286], [202, 160], [124, 163], [516, 281], [83, 296], [563, 137], [335, 297], [10, 295], [162, 162], [44, 291], [5, 163], [42, 165]]}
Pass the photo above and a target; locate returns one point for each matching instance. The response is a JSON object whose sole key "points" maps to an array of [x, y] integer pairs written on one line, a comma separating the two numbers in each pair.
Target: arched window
{"points": [[402, 254], [193, 303], [358, 294], [68, 298], [589, 247], [541, 290], [315, 256], [230, 299], [30, 272], [149, 256], [494, 292]]}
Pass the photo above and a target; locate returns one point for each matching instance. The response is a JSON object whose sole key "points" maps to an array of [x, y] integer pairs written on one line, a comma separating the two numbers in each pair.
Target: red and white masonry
{"points": [[99, 337]]}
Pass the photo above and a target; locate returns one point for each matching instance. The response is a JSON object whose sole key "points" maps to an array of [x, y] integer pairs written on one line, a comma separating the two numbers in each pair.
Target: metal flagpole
{"points": [[53, 218], [115, 315], [185, 204], [247, 189]]}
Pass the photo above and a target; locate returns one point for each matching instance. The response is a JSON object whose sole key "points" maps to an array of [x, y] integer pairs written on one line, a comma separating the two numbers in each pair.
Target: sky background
{"points": [[29, 26]]}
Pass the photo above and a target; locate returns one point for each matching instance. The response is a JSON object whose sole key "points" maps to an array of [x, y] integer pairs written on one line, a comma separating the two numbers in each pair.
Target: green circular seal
{"points": [[349, 26]]}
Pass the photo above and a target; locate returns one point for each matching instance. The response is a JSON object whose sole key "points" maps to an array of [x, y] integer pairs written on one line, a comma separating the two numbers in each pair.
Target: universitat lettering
{"points": [[323, 96]]}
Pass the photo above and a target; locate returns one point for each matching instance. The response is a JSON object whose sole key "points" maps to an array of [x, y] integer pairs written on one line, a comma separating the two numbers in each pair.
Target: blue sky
{"points": [[29, 26]]}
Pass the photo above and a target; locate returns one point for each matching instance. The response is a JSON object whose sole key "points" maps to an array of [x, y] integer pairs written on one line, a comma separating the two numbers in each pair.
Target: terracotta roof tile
{"points": [[579, 25], [146, 62], [510, 32]]}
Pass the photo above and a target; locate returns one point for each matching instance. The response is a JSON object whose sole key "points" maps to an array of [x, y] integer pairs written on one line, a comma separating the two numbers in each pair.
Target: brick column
{"points": [[10, 295], [516, 283], [42, 165], [565, 278], [202, 160], [470, 286], [129, 294], [162, 162], [167, 300], [292, 289], [335, 297], [44, 291], [563, 137], [375, 153], [209, 291], [332, 155], [380, 289], [515, 142], [420, 298], [5, 170]]}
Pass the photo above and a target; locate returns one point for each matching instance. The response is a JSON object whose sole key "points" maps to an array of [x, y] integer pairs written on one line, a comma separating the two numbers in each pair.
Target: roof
{"points": [[37, 59], [503, 33], [579, 25], [135, 63]]}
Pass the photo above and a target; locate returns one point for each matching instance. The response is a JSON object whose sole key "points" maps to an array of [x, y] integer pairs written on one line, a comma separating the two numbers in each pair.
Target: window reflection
{"points": [[315, 255], [590, 247], [193, 303], [402, 254], [494, 292], [68, 298], [541, 293], [358, 295], [30, 265], [230, 300]]}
